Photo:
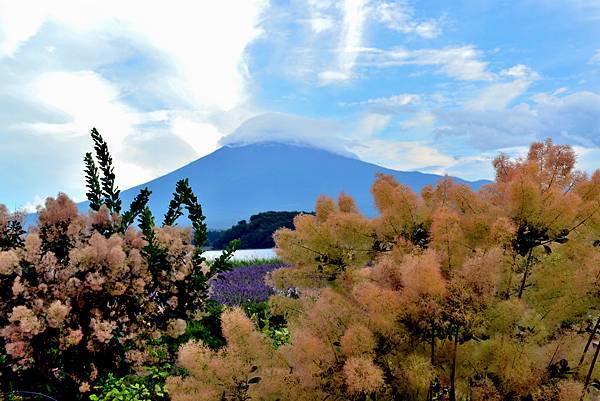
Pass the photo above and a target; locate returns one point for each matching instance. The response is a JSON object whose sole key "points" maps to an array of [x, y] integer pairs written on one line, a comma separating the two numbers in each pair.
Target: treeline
{"points": [[256, 234]]}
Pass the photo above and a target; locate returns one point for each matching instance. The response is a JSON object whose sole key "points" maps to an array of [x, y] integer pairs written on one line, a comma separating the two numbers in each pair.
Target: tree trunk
{"points": [[589, 342], [589, 375], [506, 295], [453, 369], [430, 392], [432, 347], [510, 278], [525, 273]]}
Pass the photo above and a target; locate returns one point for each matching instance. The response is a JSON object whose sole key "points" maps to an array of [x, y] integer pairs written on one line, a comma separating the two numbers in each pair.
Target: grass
{"points": [[253, 262]]}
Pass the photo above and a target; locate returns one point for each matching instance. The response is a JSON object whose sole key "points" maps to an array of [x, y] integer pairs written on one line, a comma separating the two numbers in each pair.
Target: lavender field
{"points": [[243, 285]]}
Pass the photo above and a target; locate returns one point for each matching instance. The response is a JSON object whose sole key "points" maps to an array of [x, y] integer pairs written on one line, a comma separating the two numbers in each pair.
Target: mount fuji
{"points": [[235, 182]]}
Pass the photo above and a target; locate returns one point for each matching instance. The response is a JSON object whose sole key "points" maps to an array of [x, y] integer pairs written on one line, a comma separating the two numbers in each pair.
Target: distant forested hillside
{"points": [[256, 234]]}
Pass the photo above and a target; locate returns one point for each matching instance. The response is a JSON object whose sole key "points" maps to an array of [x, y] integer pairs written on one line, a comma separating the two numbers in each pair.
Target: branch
{"points": [[109, 189]]}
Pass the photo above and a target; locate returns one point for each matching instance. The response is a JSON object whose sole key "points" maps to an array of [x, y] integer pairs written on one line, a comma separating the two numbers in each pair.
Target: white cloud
{"points": [[336, 51], [458, 62], [587, 158], [320, 18], [332, 77], [19, 21], [340, 29], [463, 63], [595, 58], [32, 206], [354, 18], [422, 120], [403, 155], [290, 129], [210, 72], [426, 157], [202, 137], [573, 118], [371, 124], [84, 98], [401, 100], [207, 42], [499, 95], [321, 24], [399, 16], [190, 69], [354, 13], [469, 168], [520, 71], [560, 91]]}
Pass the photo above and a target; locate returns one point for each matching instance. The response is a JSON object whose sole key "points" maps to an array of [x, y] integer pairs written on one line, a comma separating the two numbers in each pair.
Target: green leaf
{"points": [[94, 194], [136, 208], [110, 192]]}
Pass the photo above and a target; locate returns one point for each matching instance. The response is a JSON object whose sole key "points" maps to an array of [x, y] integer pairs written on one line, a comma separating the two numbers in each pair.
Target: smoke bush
{"points": [[85, 294], [450, 295], [74, 303]]}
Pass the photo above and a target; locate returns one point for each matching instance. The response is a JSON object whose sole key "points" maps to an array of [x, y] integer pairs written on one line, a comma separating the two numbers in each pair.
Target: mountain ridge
{"points": [[235, 182]]}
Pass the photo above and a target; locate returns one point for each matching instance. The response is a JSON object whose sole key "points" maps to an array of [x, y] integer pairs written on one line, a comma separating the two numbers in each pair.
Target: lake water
{"points": [[244, 254]]}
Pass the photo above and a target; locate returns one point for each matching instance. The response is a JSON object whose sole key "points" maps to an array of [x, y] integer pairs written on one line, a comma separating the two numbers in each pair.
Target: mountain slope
{"points": [[234, 183]]}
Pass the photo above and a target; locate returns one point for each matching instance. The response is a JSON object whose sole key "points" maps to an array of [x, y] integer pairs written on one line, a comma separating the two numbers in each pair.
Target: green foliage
{"points": [[137, 207], [233, 264], [207, 329], [211, 237], [184, 196], [102, 190], [149, 387], [273, 326], [258, 232], [222, 263], [153, 252], [280, 336], [110, 192], [92, 180], [11, 236], [241, 393]]}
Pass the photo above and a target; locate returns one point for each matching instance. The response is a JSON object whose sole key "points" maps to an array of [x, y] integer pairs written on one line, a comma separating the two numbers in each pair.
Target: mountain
{"points": [[235, 182]]}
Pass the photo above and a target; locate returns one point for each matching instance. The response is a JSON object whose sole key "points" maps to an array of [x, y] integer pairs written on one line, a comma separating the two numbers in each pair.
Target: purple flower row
{"points": [[242, 285]]}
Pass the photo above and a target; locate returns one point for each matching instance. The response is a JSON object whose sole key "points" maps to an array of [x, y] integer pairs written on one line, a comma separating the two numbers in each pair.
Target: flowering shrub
{"points": [[243, 370], [82, 295], [242, 285], [447, 295]]}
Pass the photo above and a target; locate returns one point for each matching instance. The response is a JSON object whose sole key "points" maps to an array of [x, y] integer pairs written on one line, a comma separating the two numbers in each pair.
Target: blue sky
{"points": [[413, 85]]}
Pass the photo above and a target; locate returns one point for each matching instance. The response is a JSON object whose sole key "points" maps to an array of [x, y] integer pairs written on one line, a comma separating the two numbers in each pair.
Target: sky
{"points": [[433, 86]]}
